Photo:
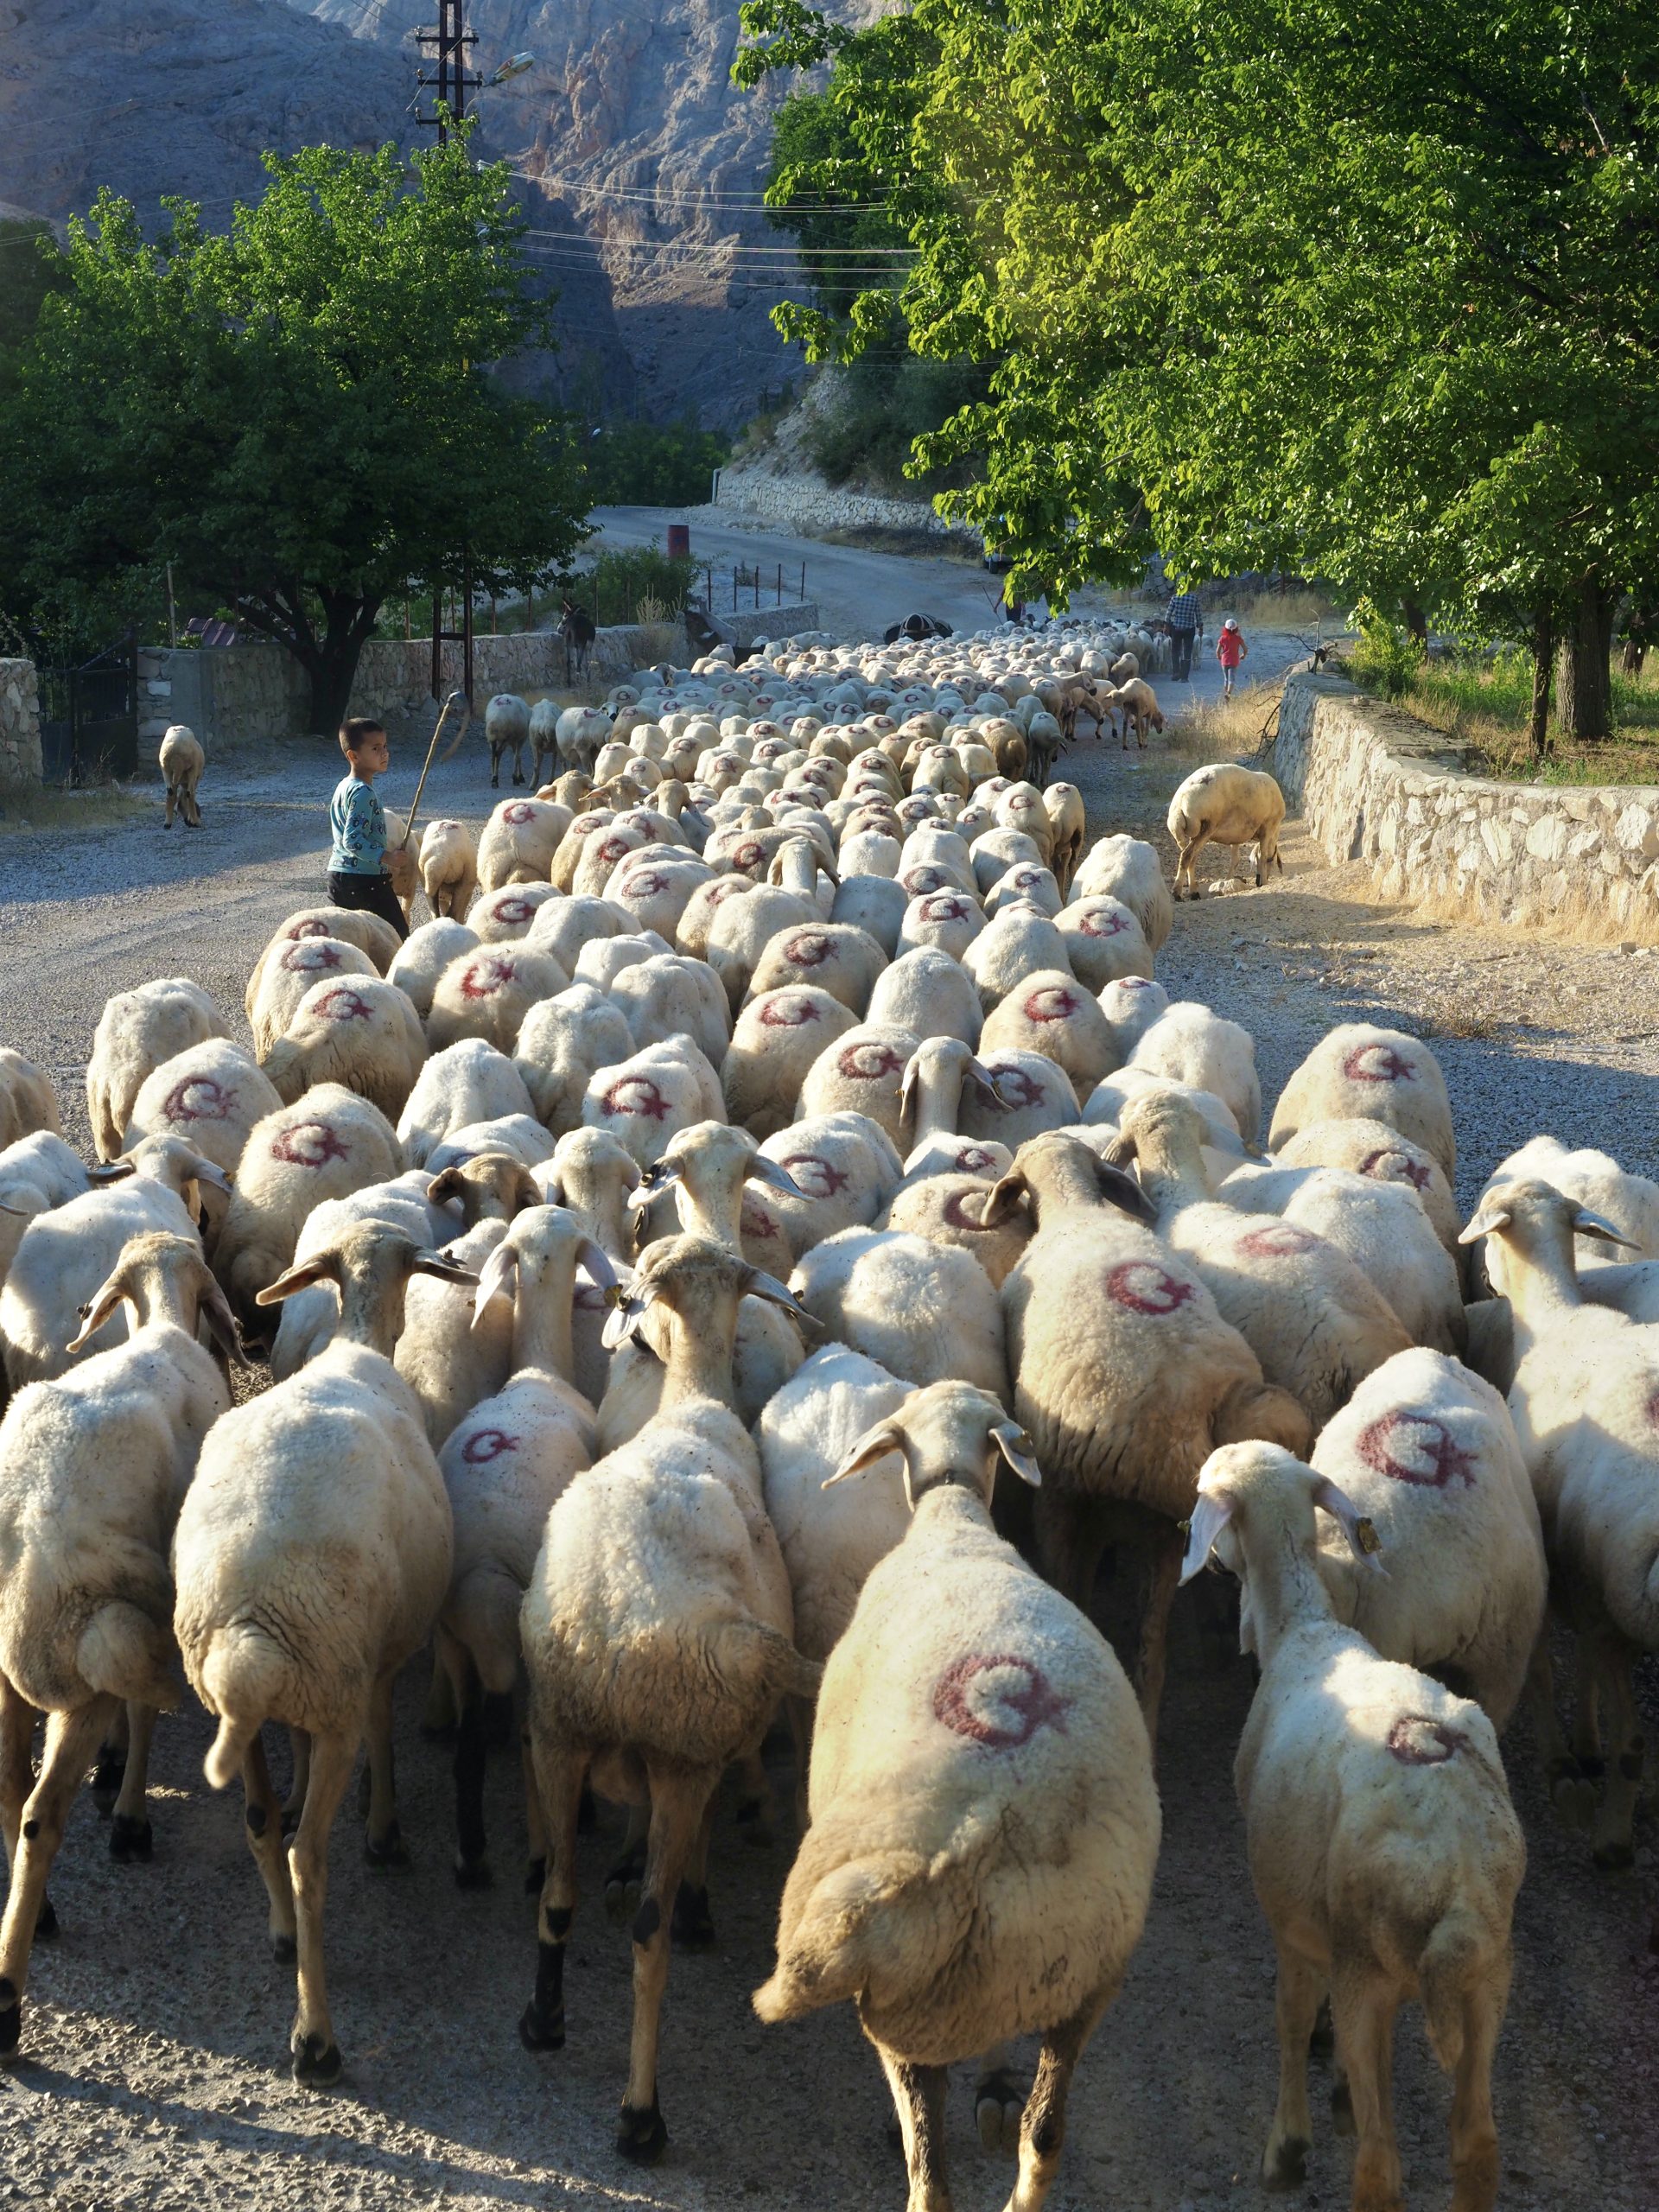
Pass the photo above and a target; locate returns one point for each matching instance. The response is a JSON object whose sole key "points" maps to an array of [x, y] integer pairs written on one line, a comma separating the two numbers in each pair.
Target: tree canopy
{"points": [[1320, 283], [298, 415]]}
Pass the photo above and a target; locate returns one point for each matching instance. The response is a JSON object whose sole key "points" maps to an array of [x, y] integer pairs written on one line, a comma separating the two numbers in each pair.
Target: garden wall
{"points": [[20, 722], [1373, 783]]}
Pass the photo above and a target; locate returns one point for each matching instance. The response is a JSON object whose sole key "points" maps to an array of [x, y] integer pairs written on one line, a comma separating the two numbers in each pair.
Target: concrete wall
{"points": [[20, 722], [1373, 783]]}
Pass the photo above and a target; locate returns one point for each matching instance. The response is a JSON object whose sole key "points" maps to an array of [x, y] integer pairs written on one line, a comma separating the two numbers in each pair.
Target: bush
{"points": [[622, 578], [885, 406], [652, 464], [1387, 657]]}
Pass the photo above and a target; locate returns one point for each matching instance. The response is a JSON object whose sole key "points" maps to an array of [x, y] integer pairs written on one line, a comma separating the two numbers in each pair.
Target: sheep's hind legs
{"points": [[625, 1875], [1474, 2130], [1572, 1791], [316, 2055], [111, 1768], [559, 1775], [1300, 1989], [694, 1927], [999, 2101], [129, 1829], [678, 1802], [1611, 1838], [472, 1746], [261, 1820], [1363, 2007], [918, 2097], [70, 1740], [1042, 2133], [382, 1843]]}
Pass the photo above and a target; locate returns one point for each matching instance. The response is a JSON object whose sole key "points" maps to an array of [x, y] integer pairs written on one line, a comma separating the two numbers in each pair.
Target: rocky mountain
{"points": [[642, 164]]}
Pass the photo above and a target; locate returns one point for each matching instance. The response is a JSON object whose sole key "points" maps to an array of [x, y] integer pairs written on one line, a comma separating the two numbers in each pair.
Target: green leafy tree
{"points": [[651, 464], [1318, 283], [298, 415]]}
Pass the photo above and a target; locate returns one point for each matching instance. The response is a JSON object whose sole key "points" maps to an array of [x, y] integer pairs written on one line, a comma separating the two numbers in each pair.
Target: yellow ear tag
{"points": [[1365, 1531]]}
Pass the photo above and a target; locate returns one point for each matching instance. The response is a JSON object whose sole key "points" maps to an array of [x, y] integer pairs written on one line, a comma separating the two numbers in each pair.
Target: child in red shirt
{"points": [[1230, 650]]}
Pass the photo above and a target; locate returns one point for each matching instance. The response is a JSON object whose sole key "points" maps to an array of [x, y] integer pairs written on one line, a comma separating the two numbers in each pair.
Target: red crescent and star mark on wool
{"points": [[1107, 922], [1276, 1239], [308, 1144], [788, 1010], [1387, 1165], [486, 1444], [1416, 1740], [1016, 1088], [1142, 1287], [1053, 1002], [958, 1209], [637, 1094], [808, 949], [343, 1004], [484, 977], [945, 906], [318, 928], [520, 811], [1378, 1064], [816, 1176], [998, 1701], [514, 910], [307, 957], [1416, 1448], [199, 1098], [869, 1063]]}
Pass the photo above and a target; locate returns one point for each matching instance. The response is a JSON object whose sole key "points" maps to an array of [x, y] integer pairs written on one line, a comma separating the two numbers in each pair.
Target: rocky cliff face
{"points": [[643, 165]]}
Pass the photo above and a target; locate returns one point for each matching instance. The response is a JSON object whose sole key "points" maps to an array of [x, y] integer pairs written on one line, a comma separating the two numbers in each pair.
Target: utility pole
{"points": [[446, 44]]}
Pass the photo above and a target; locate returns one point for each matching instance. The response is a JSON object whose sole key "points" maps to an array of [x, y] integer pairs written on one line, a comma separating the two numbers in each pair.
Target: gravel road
{"points": [[156, 2073]]}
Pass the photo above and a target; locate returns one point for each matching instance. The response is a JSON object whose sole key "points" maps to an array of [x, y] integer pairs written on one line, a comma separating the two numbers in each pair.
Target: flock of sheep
{"points": [[772, 1179]]}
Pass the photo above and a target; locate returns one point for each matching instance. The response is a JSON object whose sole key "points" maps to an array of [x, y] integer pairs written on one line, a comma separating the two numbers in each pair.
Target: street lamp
{"points": [[514, 66]]}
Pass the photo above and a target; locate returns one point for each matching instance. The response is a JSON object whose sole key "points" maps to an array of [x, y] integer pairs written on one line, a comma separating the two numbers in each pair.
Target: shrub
{"points": [[623, 577], [884, 409], [652, 464], [1387, 657]]}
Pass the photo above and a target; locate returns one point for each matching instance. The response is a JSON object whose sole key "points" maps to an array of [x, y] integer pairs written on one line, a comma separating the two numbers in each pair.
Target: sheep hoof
{"points": [[46, 1923], [999, 2106], [622, 1884], [284, 1948], [540, 2031], [387, 1853], [1285, 2167], [130, 1839], [1573, 1796], [642, 2136], [473, 1875], [693, 1926], [107, 1776], [11, 2018], [1613, 1858], [535, 1877], [317, 2065], [1342, 2109]]}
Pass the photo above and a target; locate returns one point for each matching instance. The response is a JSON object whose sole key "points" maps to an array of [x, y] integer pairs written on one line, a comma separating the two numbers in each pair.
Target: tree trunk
{"points": [[1543, 635], [1415, 621], [332, 671], [1583, 689]]}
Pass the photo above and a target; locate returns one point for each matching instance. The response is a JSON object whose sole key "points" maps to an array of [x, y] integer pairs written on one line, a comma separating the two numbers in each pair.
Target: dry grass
{"points": [[1485, 704], [29, 809], [1229, 730]]}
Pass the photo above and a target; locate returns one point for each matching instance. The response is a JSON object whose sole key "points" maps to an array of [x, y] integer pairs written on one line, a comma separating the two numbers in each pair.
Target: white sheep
{"points": [[518, 843], [422, 957], [36, 1172], [544, 737], [1359, 1072], [873, 903], [826, 956], [212, 1094], [1597, 1182], [464, 1083], [985, 1825], [1427, 1452], [1103, 943], [451, 1351], [1131, 1005], [331, 1143], [366, 930], [487, 993], [582, 731], [862, 1073], [307, 1320], [927, 1312], [181, 763], [311, 1557], [1383, 1845], [505, 917], [1051, 1014], [1226, 804], [930, 993], [64, 1255], [564, 926], [668, 996], [742, 928], [947, 1206], [1373, 1148], [1019, 942], [1190, 1044], [647, 1098], [1127, 869], [656, 1635], [845, 1168], [506, 726], [289, 972], [1029, 1095], [448, 868], [137, 1031], [1127, 1376], [947, 921], [778, 1036], [93, 1468], [561, 1043], [363, 1033]]}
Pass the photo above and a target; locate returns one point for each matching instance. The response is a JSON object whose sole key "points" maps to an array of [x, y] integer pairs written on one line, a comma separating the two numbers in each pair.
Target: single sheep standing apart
{"points": [[1226, 804], [506, 726], [182, 761], [984, 1824]]}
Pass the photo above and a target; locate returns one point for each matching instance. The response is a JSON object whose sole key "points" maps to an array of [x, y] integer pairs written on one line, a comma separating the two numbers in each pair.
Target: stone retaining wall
{"points": [[800, 501], [1373, 783], [20, 722]]}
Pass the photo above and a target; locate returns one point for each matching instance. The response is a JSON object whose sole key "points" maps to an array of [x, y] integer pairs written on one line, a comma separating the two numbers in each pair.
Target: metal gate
{"points": [[89, 718]]}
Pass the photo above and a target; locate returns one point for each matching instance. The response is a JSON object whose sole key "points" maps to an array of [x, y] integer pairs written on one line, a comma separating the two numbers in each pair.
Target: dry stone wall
{"points": [[1375, 784], [20, 722]]}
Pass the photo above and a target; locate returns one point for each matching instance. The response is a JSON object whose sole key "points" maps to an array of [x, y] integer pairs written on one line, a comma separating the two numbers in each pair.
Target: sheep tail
{"points": [[1450, 1960], [238, 1683], [830, 1952], [284, 1068], [123, 1653], [228, 1748], [788, 1673]]}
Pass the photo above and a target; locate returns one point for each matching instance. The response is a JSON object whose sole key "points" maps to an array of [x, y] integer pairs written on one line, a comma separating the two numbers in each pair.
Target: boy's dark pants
{"points": [[371, 895]]}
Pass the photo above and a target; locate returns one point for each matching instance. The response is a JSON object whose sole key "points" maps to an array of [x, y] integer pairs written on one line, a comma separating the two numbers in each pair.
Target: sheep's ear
{"points": [[1125, 1193], [878, 1443], [1121, 1151], [99, 1309], [762, 1170], [1018, 1450], [324, 1267], [1586, 1224], [448, 1185], [759, 1284], [526, 1191], [214, 1309], [1006, 1196], [907, 1084], [1360, 1532], [111, 1170], [205, 1171], [441, 1265], [660, 1177], [595, 1262], [1493, 1216], [975, 1072], [497, 1277], [628, 1305], [1210, 1517]]}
